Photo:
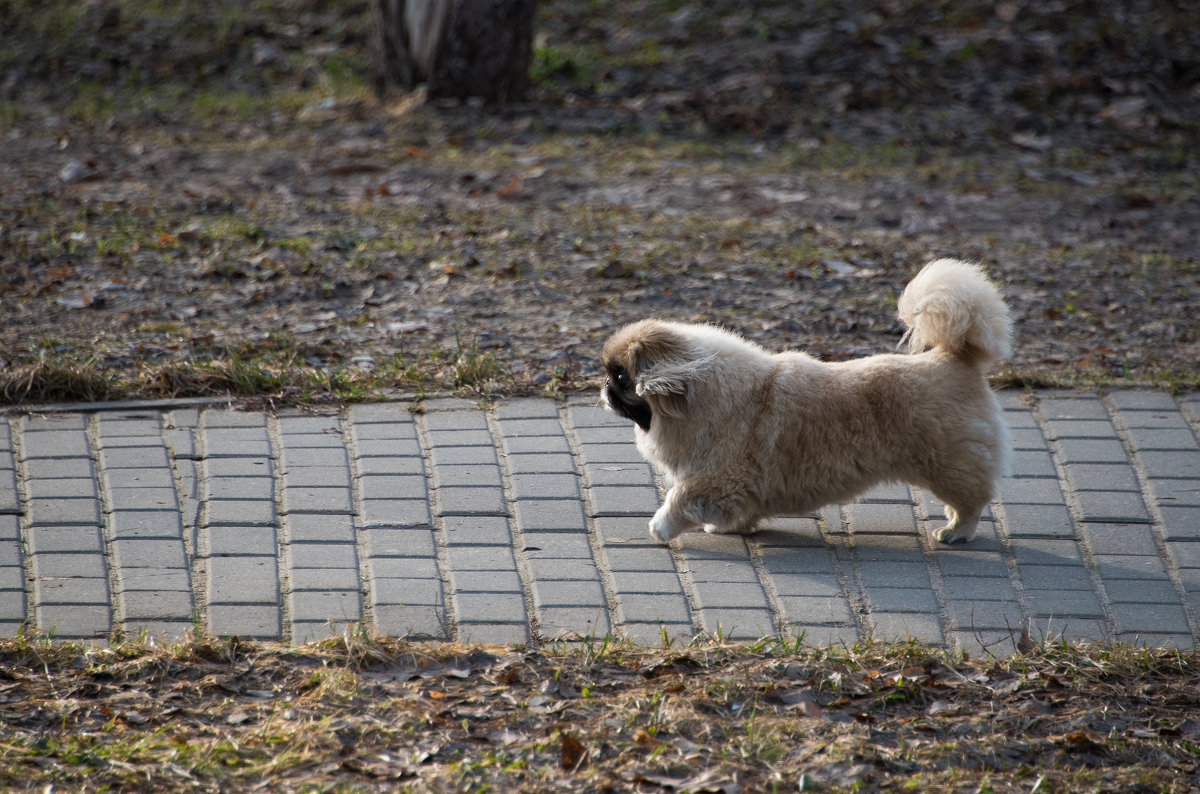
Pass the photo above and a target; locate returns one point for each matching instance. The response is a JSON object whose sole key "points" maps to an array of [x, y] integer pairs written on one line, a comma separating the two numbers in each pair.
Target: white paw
{"points": [[661, 529], [950, 534]]}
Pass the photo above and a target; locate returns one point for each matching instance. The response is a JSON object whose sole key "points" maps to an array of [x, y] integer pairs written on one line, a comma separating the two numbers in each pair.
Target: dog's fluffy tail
{"points": [[953, 306]]}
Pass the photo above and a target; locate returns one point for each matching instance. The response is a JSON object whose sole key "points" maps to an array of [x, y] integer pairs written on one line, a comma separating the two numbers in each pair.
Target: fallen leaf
{"points": [[572, 752]]}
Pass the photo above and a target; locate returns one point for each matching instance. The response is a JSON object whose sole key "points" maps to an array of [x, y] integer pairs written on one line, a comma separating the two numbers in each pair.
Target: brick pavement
{"points": [[527, 523]]}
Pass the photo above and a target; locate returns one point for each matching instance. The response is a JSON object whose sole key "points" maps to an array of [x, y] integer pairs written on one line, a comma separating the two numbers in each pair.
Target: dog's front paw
{"points": [[951, 534], [740, 529], [661, 528]]}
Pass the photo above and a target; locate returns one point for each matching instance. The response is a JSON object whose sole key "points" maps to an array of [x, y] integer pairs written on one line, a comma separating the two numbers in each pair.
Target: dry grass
{"points": [[362, 713]]}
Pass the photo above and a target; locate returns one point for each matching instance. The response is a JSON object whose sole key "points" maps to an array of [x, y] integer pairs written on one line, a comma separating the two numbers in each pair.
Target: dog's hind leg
{"points": [[961, 526]]}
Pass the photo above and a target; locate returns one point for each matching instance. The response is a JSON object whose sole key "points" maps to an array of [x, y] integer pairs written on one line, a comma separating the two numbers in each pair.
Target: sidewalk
{"points": [[527, 522]]}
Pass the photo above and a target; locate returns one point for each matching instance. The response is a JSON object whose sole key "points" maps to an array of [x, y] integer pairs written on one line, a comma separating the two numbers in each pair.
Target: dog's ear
{"points": [[667, 364]]}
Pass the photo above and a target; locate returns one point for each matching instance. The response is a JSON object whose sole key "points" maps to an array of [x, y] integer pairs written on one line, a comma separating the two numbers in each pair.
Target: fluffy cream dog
{"points": [[743, 434]]}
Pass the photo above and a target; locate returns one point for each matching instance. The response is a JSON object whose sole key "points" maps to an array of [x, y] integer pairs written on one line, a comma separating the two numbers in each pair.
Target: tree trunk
{"points": [[458, 48]]}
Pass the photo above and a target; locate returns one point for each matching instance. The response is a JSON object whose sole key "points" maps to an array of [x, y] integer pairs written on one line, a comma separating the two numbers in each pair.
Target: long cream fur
{"points": [[744, 434]]}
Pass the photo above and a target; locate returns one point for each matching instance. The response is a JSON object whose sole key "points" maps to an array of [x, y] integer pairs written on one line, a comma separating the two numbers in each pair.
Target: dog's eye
{"points": [[621, 377]]}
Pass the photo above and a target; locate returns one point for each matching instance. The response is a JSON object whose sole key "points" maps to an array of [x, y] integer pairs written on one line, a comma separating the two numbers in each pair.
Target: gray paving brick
{"points": [[823, 585], [890, 548], [954, 562], [130, 442], [460, 456], [1181, 523], [1140, 619], [594, 416], [489, 607], [10, 502], [623, 500], [1088, 450], [405, 568], [324, 605], [551, 568], [1103, 477], [48, 512], [558, 545], [568, 622], [60, 468], [541, 464], [317, 528], [148, 553], [386, 413], [656, 558], [55, 421], [242, 580], [139, 579], [1031, 490], [260, 489], [73, 488], [156, 605], [227, 541], [895, 573], [138, 499], [487, 558], [298, 442], [627, 582], [619, 474], [1140, 400], [1128, 539], [493, 633], [146, 524], [1080, 428], [456, 420], [12, 575], [383, 448], [1171, 464], [730, 595], [324, 457], [601, 454], [322, 555], [244, 620], [606, 434], [1031, 521], [1163, 439], [1136, 591], [1129, 566], [527, 428], [239, 513], [1083, 407], [317, 500], [323, 579], [568, 593], [75, 620], [907, 625], [720, 570], [214, 418], [979, 588], [404, 430], [238, 467], [1185, 554], [1112, 506], [527, 408], [901, 599], [654, 608], [540, 515], [182, 444], [1033, 463], [624, 530], [1047, 551], [485, 582], [394, 513], [134, 458], [139, 478], [471, 502], [461, 438], [737, 624], [522, 445], [545, 486], [1027, 438], [1064, 604], [976, 615], [42, 540], [400, 542], [246, 448], [810, 610], [9, 528], [477, 531], [396, 486], [55, 444], [467, 476], [416, 621], [1061, 577], [78, 590], [296, 424], [1161, 420], [425, 592]]}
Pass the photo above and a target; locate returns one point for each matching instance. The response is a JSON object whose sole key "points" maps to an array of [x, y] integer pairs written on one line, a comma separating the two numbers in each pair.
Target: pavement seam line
{"points": [[282, 548], [1157, 525], [437, 524], [1075, 508], [859, 602], [515, 531], [933, 566], [16, 427], [361, 544]]}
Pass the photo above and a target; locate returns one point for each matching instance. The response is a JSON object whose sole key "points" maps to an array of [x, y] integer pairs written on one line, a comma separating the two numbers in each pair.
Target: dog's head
{"points": [[652, 369]]}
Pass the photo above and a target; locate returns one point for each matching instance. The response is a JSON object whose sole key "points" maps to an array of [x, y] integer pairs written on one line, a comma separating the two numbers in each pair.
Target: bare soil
{"points": [[186, 213]]}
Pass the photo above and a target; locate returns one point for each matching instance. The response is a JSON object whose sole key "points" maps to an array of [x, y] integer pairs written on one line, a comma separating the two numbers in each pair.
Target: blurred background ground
{"points": [[207, 198]]}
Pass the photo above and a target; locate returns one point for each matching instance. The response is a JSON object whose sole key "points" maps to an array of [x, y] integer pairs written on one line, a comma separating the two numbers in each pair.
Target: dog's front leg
{"points": [[671, 521]]}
